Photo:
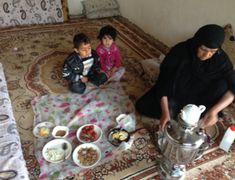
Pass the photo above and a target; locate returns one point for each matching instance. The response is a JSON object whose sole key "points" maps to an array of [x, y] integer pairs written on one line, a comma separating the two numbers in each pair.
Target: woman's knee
{"points": [[148, 107]]}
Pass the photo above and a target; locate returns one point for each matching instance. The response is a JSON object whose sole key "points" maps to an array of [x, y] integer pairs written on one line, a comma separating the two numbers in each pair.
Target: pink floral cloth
{"points": [[97, 106], [109, 58]]}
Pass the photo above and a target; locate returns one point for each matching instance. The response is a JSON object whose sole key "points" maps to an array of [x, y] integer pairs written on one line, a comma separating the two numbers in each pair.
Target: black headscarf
{"points": [[211, 35]]}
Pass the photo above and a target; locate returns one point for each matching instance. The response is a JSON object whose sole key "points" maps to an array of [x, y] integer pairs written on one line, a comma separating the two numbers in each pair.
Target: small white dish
{"points": [[43, 129], [60, 131], [87, 147], [85, 136], [53, 151]]}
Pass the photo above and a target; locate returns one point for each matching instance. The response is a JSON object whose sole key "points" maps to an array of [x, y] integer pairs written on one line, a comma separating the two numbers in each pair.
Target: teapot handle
{"points": [[202, 108], [182, 115], [120, 117]]}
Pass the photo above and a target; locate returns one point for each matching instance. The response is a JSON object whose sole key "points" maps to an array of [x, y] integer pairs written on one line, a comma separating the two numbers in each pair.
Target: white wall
{"points": [[171, 21], [175, 20], [75, 7]]}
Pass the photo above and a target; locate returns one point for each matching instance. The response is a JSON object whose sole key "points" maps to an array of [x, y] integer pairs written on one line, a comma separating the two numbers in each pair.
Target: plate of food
{"points": [[43, 129], [89, 133], [118, 135], [86, 155], [60, 131], [57, 150]]}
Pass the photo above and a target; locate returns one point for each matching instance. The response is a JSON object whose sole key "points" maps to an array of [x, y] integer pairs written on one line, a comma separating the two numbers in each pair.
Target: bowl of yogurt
{"points": [[54, 150]]}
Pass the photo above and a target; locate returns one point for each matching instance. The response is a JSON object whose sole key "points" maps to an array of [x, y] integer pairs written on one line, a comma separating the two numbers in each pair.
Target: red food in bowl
{"points": [[89, 134]]}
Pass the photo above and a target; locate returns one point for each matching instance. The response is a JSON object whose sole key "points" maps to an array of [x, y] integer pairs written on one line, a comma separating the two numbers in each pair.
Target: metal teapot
{"points": [[181, 142]]}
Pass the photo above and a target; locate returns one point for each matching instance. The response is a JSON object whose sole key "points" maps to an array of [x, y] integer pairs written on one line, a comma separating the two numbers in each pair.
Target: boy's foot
{"points": [[91, 86]]}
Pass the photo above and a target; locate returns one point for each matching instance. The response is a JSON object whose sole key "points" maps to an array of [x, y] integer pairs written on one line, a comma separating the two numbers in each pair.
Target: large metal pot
{"points": [[180, 144]]}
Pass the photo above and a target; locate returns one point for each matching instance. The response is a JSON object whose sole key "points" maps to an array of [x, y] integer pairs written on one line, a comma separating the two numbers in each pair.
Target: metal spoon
{"points": [[64, 147]]}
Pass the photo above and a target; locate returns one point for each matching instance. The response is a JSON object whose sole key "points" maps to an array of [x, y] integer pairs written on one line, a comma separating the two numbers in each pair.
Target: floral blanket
{"points": [[98, 106]]}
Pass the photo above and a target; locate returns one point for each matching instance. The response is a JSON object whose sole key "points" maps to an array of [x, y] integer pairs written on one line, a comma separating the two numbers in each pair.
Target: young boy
{"points": [[82, 65], [109, 52]]}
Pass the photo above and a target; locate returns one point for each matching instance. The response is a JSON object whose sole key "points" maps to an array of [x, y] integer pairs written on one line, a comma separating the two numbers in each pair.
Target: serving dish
{"points": [[86, 155], [89, 133], [118, 135], [60, 131], [43, 129], [57, 150]]}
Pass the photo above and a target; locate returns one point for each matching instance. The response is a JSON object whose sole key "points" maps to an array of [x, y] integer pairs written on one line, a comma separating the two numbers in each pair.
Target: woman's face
{"points": [[204, 53], [107, 41]]}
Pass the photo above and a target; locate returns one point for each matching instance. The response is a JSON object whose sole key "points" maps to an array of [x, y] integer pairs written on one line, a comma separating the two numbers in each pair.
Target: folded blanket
{"points": [[12, 163]]}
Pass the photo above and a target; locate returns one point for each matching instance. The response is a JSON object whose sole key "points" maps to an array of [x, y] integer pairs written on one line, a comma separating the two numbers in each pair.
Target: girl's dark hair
{"points": [[79, 39], [107, 30]]}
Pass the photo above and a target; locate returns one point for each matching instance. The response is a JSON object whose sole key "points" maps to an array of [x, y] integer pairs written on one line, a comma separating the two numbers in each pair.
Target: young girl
{"points": [[109, 53]]}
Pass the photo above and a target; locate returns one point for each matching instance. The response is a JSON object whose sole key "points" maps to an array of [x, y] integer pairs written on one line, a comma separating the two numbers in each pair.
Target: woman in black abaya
{"points": [[196, 71]]}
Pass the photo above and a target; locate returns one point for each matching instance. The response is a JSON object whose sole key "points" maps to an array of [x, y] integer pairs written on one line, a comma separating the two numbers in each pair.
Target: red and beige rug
{"points": [[32, 57]]}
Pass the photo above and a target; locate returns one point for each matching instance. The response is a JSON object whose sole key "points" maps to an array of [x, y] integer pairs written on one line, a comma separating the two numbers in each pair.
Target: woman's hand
{"points": [[163, 121], [165, 117], [209, 119]]}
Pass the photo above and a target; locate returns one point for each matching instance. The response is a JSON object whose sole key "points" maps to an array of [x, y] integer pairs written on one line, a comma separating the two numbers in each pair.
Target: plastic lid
{"points": [[232, 127]]}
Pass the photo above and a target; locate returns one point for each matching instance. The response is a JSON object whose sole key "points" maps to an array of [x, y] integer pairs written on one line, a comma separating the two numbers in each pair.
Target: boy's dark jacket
{"points": [[73, 66]]}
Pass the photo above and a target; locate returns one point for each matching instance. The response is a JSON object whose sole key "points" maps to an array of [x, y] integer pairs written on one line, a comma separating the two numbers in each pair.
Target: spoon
{"points": [[64, 147]]}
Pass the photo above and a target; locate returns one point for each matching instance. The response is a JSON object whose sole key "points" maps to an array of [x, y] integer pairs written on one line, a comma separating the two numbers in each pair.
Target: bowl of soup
{"points": [[60, 131]]}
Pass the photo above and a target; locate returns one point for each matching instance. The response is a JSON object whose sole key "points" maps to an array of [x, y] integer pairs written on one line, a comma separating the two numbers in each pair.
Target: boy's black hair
{"points": [[107, 30], [79, 39]]}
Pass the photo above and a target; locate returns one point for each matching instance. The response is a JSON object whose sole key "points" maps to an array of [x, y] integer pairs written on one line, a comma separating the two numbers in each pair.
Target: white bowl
{"points": [[53, 151], [60, 129], [47, 126], [96, 129], [85, 147]]}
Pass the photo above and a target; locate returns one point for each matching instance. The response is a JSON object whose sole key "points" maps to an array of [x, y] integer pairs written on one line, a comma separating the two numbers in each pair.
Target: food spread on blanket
{"points": [[92, 109], [87, 156], [54, 154], [89, 134]]}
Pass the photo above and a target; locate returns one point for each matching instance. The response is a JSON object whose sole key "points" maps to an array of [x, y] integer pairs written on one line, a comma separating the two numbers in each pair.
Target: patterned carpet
{"points": [[32, 57]]}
